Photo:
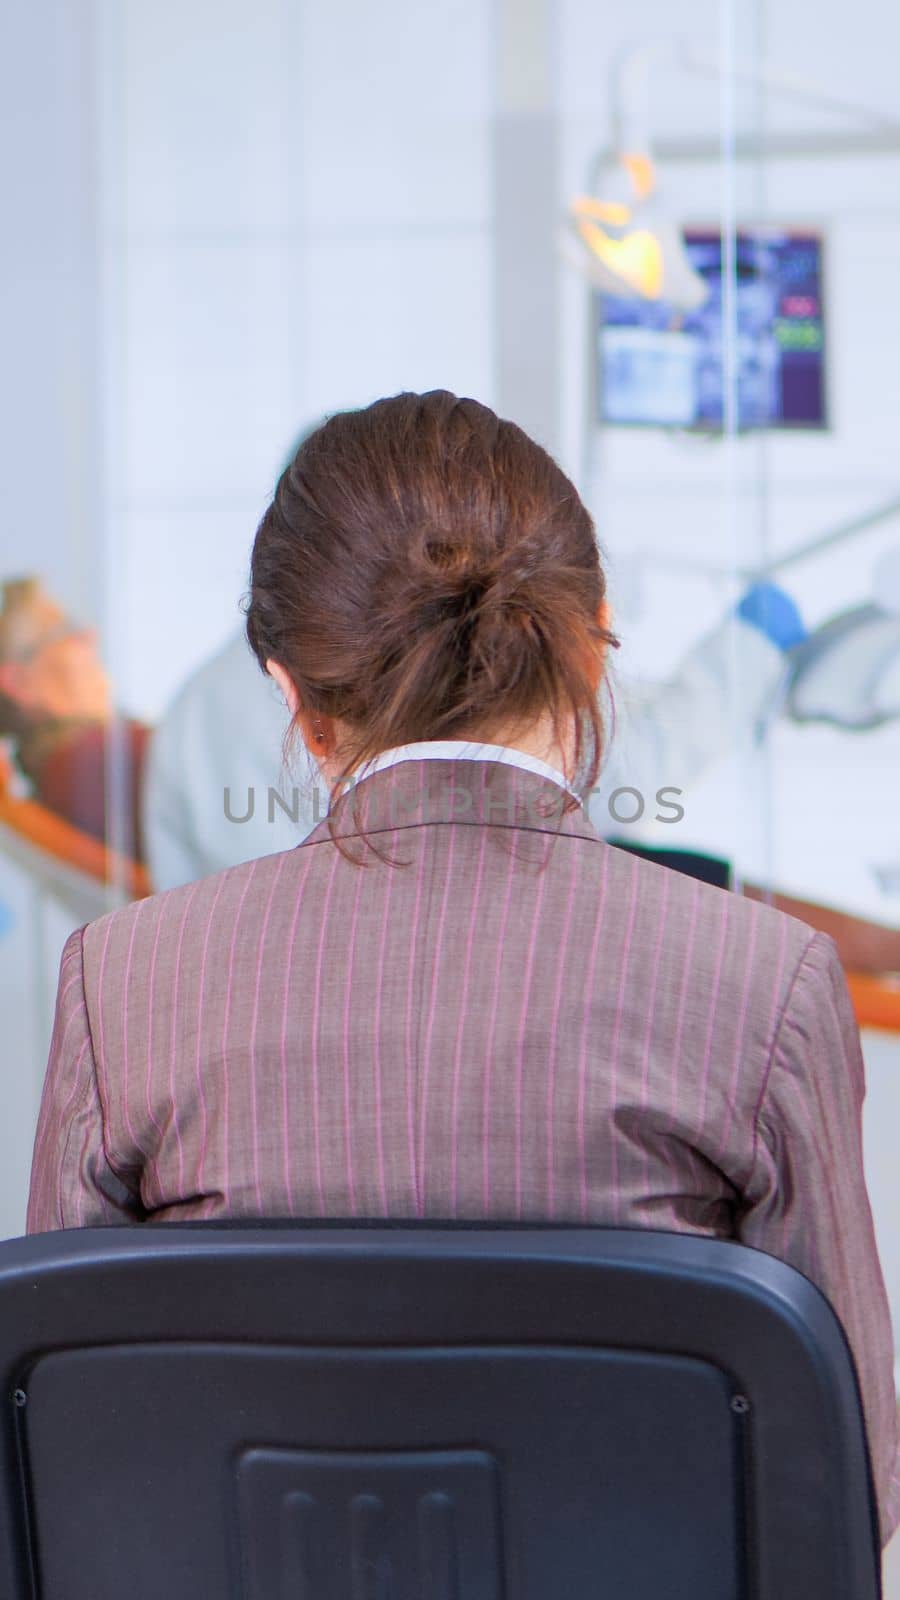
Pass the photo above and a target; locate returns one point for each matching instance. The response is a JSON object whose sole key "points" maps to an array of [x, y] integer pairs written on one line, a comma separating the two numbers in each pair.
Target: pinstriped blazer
{"points": [[482, 1011]]}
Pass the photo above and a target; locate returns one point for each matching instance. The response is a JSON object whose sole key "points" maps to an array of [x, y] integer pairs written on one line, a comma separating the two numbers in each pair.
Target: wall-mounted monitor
{"points": [[660, 367]]}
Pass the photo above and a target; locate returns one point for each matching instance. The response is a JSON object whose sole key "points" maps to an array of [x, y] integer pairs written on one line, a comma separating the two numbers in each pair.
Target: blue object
{"points": [[7, 920], [774, 613]]}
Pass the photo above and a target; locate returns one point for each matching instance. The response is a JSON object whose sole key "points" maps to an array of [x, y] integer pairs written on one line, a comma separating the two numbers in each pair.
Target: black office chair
{"points": [[434, 1413]]}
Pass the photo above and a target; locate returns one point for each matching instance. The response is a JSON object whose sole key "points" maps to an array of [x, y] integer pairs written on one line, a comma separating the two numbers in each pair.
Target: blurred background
{"points": [[666, 244]]}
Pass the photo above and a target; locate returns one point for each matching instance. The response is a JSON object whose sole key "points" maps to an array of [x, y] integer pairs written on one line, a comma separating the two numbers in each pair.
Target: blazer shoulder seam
{"points": [[90, 1078], [780, 1017]]}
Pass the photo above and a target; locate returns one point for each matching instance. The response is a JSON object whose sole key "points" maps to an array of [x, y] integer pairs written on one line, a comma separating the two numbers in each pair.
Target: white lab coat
{"points": [[217, 755]]}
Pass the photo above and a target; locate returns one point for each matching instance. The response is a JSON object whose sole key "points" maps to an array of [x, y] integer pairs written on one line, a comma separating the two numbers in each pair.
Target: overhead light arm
{"points": [[768, 76], [632, 118]]}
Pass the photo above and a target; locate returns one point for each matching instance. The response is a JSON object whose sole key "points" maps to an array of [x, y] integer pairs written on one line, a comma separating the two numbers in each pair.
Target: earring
{"points": [[318, 733]]}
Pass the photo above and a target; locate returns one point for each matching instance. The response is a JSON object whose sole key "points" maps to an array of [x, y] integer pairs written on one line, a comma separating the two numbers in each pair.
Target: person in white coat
{"points": [[218, 791]]}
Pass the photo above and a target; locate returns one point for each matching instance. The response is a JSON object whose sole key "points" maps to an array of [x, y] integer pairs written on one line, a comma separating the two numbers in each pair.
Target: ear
{"points": [[319, 734], [604, 621], [286, 684]]}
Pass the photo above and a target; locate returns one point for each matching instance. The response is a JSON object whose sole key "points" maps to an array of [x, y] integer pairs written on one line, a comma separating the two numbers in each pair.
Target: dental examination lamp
{"points": [[620, 235]]}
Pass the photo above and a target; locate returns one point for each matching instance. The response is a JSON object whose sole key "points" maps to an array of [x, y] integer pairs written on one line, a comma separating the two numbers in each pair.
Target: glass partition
{"points": [[674, 373], [663, 244], [735, 437]]}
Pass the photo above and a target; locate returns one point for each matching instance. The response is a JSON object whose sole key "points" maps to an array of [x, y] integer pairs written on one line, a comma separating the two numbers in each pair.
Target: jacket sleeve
{"points": [[807, 1200], [73, 1184]]}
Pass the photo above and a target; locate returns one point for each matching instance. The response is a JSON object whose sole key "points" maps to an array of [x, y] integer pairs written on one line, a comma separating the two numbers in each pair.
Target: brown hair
{"points": [[426, 570]]}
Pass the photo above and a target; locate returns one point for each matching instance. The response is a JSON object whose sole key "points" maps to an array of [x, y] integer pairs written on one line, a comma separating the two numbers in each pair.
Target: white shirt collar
{"points": [[464, 750]]}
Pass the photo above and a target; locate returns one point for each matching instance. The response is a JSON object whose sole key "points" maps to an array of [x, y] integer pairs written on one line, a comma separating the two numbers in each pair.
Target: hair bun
{"points": [[426, 569], [451, 573], [481, 580]]}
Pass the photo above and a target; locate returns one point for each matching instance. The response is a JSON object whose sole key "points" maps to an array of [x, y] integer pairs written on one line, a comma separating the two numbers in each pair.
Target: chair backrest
{"points": [[424, 1413]]}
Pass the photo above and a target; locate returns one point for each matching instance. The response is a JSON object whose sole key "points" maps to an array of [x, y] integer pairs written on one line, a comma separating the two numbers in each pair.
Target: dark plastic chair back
{"points": [[424, 1413]]}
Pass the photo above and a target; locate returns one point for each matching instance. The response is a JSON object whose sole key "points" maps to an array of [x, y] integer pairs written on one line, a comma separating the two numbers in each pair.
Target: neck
{"points": [[554, 744]]}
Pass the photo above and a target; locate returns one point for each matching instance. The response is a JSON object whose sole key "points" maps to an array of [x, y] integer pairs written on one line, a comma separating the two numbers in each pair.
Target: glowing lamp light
{"points": [[627, 244], [630, 254]]}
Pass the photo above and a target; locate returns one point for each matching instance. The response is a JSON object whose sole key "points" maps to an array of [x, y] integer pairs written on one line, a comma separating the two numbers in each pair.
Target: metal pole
{"points": [[527, 204]]}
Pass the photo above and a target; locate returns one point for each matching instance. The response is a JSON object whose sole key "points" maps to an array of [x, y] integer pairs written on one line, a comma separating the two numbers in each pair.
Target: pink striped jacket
{"points": [[498, 1015]]}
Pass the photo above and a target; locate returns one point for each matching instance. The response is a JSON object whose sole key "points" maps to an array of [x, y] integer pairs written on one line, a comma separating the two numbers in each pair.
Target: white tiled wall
{"points": [[298, 219], [393, 110]]}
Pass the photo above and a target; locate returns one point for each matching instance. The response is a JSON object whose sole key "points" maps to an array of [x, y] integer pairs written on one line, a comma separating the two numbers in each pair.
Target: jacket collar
{"points": [[466, 750], [414, 793]]}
